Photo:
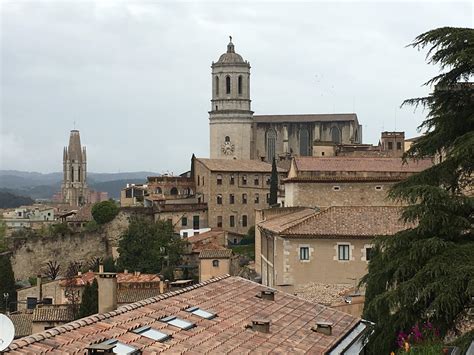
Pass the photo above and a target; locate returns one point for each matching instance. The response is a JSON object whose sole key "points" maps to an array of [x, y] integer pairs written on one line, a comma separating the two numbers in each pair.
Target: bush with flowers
{"points": [[422, 340]]}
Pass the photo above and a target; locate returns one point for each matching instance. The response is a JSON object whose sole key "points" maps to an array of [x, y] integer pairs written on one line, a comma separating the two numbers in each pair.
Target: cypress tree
{"points": [[426, 273], [7, 282], [273, 185], [90, 300]]}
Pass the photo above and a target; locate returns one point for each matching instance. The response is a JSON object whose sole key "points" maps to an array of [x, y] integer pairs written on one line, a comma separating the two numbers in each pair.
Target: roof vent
{"points": [[323, 328], [261, 325], [100, 349], [267, 295]]}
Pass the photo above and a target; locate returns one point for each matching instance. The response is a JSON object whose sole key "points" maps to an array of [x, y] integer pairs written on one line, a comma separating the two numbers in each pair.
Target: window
{"points": [[227, 85], [336, 188], [240, 85], [399, 145], [304, 142], [199, 179], [200, 312], [219, 221], [227, 139], [390, 145], [215, 263], [368, 253], [268, 198], [304, 253], [158, 190], [47, 300], [244, 199], [378, 187], [336, 135], [270, 144], [184, 221], [152, 333], [244, 220], [256, 180], [195, 222], [231, 199], [232, 180], [219, 179], [268, 179], [232, 221], [343, 252], [120, 348], [185, 234], [31, 302], [219, 199], [257, 198], [178, 322], [216, 80], [174, 191], [244, 179]]}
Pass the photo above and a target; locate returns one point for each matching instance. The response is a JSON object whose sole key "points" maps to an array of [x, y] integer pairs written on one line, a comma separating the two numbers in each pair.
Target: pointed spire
{"points": [[74, 148], [230, 46]]}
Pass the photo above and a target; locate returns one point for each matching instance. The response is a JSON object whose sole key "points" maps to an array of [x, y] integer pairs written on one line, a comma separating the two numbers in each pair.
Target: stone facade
{"points": [[74, 189]]}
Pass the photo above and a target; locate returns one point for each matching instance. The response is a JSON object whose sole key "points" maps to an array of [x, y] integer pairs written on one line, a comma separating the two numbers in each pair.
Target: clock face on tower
{"points": [[227, 148]]}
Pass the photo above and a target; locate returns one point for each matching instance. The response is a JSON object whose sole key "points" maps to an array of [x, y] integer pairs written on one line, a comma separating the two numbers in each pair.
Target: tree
{"points": [[104, 212], [7, 282], [3, 231], [71, 289], [52, 269], [90, 300], [426, 273], [273, 185], [150, 247]]}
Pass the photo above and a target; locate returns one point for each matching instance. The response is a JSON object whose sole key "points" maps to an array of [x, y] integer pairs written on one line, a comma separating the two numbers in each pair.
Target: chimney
{"points": [[323, 328], [39, 285], [101, 268], [79, 273], [268, 295], [107, 282], [125, 271], [261, 325]]}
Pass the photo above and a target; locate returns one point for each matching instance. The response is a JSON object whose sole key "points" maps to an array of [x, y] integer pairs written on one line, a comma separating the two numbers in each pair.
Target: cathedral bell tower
{"points": [[230, 118], [74, 187]]}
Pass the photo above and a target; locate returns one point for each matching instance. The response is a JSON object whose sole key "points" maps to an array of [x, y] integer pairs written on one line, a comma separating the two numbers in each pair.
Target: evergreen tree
{"points": [[7, 282], [426, 273], [90, 300], [273, 185], [105, 211], [149, 246]]}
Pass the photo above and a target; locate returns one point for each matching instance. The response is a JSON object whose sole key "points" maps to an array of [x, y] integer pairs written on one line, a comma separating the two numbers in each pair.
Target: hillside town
{"points": [[294, 235]]}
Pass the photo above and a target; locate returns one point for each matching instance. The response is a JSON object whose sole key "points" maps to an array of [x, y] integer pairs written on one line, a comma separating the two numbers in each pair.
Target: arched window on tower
{"points": [[79, 174], [227, 139], [240, 84], [72, 174], [217, 85], [304, 142], [336, 135], [174, 191], [271, 143], [227, 85]]}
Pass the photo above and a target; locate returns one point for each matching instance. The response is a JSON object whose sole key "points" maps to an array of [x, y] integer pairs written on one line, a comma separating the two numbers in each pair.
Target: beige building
{"points": [[232, 189], [345, 181], [214, 263], [296, 246], [187, 219]]}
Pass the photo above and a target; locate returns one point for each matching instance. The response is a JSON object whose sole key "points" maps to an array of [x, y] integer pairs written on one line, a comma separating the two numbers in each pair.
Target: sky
{"points": [[134, 76]]}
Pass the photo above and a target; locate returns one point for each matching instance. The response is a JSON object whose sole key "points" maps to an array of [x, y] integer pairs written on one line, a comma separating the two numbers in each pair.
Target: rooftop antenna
{"points": [[7, 332]]}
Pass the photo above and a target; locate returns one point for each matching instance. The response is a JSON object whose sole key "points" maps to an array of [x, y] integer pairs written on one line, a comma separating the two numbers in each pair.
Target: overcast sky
{"points": [[135, 76]]}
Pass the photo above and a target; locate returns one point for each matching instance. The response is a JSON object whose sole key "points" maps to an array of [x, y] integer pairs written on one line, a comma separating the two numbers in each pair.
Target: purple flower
{"points": [[417, 333]]}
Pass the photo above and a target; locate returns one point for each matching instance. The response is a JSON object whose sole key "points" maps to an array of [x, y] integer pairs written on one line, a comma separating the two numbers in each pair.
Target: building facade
{"points": [[74, 189]]}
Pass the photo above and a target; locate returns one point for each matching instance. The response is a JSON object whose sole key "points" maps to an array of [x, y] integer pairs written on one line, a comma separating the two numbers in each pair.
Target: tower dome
{"points": [[230, 57]]}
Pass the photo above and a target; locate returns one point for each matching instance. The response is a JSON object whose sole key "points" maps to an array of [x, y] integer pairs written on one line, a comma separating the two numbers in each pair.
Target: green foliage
{"points": [[32, 280], [7, 281], [91, 226], [427, 272], [149, 247], [109, 264], [3, 231], [9, 200], [90, 300], [105, 211], [60, 229], [247, 250], [273, 185]]}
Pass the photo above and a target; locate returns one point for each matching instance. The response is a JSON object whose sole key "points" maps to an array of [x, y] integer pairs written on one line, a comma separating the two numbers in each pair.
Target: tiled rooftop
{"points": [[215, 254], [129, 277], [339, 221], [22, 323], [347, 164], [52, 314], [130, 295], [235, 304], [234, 165]]}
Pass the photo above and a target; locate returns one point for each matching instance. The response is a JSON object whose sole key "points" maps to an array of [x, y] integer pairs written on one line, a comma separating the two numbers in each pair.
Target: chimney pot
{"points": [[261, 325], [125, 271], [79, 273], [323, 328], [268, 295], [101, 268]]}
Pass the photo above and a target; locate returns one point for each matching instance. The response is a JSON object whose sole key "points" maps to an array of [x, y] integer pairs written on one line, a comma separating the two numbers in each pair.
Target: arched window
{"points": [[158, 190], [257, 198], [227, 85], [174, 191], [72, 174], [356, 136], [244, 199], [79, 174], [215, 263], [244, 220], [219, 179], [336, 135], [217, 85], [219, 199], [227, 139], [240, 84], [304, 142], [271, 143]]}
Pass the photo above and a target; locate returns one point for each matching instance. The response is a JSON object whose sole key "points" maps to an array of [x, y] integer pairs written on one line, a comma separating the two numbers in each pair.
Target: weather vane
{"points": [[230, 37]]}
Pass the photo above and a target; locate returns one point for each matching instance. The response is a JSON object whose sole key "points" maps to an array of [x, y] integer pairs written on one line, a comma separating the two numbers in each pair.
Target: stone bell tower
{"points": [[230, 118], [74, 187]]}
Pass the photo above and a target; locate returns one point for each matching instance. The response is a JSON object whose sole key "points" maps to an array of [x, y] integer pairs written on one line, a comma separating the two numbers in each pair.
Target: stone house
{"points": [[296, 246], [214, 263], [187, 218], [232, 189]]}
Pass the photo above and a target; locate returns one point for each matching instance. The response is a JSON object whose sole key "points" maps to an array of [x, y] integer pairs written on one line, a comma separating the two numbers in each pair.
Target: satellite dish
{"points": [[7, 332]]}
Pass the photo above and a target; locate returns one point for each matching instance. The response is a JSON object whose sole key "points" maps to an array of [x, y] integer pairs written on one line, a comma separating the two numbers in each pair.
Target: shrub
{"points": [[104, 212]]}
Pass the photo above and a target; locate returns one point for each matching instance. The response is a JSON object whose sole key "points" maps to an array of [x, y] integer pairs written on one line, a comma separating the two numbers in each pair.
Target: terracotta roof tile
{"points": [[215, 254], [129, 277], [130, 295], [232, 298], [22, 323], [237, 165], [52, 314]]}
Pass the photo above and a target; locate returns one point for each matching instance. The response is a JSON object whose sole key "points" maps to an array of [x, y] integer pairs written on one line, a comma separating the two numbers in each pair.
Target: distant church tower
{"points": [[230, 118], [74, 187]]}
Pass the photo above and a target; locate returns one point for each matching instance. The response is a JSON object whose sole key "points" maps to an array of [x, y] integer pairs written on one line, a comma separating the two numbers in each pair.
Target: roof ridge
{"points": [[78, 323], [300, 220]]}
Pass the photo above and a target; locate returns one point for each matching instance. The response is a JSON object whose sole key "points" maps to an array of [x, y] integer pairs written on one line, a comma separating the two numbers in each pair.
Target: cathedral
{"points": [[74, 189], [236, 133]]}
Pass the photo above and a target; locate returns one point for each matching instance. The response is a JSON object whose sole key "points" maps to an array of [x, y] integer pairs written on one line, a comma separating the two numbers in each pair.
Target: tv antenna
{"points": [[7, 332]]}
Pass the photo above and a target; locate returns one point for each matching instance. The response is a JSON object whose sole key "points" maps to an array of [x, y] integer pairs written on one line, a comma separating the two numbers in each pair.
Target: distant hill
{"points": [[42, 186], [9, 200]]}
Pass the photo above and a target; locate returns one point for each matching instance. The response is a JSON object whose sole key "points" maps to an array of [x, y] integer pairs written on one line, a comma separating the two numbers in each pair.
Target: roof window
{"points": [[178, 322], [121, 348], [152, 333], [201, 313]]}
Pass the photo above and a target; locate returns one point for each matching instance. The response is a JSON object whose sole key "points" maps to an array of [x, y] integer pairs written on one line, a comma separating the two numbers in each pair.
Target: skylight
{"points": [[120, 348], [152, 333], [178, 322], [201, 313]]}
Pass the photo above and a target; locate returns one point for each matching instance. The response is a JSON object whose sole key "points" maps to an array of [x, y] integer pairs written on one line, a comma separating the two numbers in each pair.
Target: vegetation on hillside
{"points": [[104, 212], [10, 200]]}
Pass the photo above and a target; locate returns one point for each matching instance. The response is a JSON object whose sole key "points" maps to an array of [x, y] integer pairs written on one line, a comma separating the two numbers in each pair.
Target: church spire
{"points": [[230, 46]]}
